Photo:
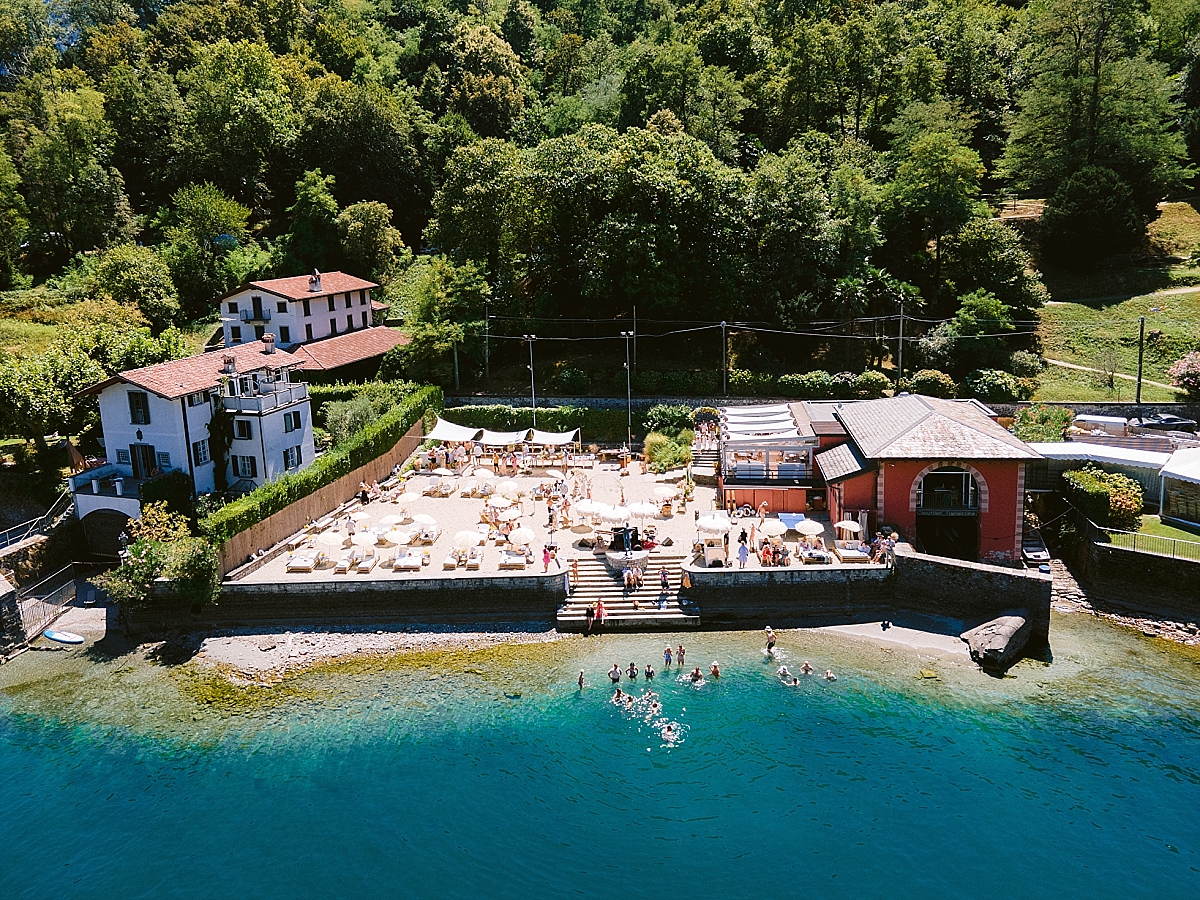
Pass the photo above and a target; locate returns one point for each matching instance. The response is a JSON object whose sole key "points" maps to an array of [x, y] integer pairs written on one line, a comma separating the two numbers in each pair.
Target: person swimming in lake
{"points": [[649, 674], [697, 675], [581, 679], [619, 696], [667, 657], [714, 670], [614, 674], [770, 639], [632, 672], [795, 682], [806, 669], [829, 676], [679, 654], [784, 673]]}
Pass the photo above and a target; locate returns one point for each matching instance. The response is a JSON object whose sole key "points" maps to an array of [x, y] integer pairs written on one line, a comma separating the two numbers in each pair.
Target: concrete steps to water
{"points": [[645, 609]]}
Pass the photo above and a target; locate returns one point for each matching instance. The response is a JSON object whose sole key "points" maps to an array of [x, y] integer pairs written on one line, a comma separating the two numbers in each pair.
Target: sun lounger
{"points": [[366, 564], [343, 565], [851, 555], [512, 560], [409, 562], [301, 564], [451, 561], [474, 558]]}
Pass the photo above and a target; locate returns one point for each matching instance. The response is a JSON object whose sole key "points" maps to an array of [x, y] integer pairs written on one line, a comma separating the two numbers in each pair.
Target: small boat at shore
{"points": [[63, 637]]}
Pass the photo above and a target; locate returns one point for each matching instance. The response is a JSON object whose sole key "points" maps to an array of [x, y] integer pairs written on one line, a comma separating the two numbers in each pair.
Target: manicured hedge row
{"points": [[321, 394], [370, 443], [595, 425]]}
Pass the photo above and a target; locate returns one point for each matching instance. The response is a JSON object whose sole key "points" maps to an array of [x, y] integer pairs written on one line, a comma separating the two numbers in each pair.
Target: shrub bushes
{"points": [[1042, 424], [815, 385], [664, 453], [1185, 373], [871, 385], [745, 383], [662, 418], [1108, 499], [172, 488], [370, 443], [382, 394], [573, 381], [932, 383], [1024, 364], [998, 386]]}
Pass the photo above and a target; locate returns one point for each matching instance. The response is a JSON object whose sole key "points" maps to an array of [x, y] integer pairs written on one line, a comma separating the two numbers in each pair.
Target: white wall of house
{"points": [[164, 432], [292, 321]]}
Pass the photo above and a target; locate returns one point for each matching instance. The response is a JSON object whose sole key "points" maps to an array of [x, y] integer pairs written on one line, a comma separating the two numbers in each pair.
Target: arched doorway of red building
{"points": [[954, 536]]}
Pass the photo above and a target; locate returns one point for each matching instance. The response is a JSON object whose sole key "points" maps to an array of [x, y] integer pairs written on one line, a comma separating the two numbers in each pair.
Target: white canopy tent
{"points": [[1180, 497], [503, 438], [448, 431], [554, 439], [1183, 465]]}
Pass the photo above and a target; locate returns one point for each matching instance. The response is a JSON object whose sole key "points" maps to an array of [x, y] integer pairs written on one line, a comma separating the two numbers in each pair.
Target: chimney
{"points": [[230, 362], [314, 282], [268, 341]]}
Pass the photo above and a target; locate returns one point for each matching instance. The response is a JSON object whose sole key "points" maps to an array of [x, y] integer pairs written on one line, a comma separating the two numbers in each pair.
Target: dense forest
{"points": [[775, 161]]}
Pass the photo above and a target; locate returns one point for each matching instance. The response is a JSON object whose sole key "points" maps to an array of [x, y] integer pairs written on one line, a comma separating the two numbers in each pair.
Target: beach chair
{"points": [[451, 560], [474, 558], [510, 559], [343, 565], [301, 564], [409, 562], [430, 489]]}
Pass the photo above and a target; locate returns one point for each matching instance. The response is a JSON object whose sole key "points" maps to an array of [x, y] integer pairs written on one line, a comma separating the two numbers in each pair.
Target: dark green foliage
{"points": [[815, 385], [668, 419], [573, 382], [1107, 498], [664, 452], [370, 443], [1091, 216], [998, 386], [1025, 365], [1042, 424], [172, 488], [932, 383]]}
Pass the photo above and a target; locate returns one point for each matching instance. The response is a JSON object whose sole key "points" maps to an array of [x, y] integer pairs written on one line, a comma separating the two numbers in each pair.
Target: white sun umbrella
{"points": [[713, 525], [521, 536], [424, 519], [331, 538], [510, 515], [643, 509], [498, 502], [441, 471], [666, 491], [848, 524], [483, 473], [408, 498], [508, 486], [809, 527], [554, 473], [364, 538], [773, 527], [391, 519], [586, 507], [361, 516], [400, 537], [615, 514], [466, 539]]}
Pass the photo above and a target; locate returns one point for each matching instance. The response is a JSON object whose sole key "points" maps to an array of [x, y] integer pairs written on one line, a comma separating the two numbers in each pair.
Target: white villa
{"points": [[156, 419]]}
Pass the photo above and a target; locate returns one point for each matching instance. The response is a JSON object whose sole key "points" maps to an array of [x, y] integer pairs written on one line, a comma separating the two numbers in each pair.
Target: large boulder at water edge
{"points": [[997, 644]]}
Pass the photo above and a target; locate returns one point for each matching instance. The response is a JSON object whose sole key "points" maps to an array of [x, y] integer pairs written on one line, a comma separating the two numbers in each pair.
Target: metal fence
{"points": [[1156, 545], [41, 603], [18, 533]]}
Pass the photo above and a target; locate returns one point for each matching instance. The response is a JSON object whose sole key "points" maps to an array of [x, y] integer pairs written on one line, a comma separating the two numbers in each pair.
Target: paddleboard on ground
{"points": [[63, 637]]}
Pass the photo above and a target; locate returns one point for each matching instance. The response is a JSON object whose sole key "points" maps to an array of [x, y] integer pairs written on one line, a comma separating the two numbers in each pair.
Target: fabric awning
{"points": [[503, 438], [554, 439], [1184, 465], [448, 431], [1084, 451]]}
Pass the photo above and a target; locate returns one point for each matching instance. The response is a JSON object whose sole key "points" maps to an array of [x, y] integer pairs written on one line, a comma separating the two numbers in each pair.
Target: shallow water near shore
{"points": [[489, 774]]}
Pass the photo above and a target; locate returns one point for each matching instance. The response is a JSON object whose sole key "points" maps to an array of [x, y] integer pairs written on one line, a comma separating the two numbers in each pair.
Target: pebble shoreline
{"points": [[1070, 596]]}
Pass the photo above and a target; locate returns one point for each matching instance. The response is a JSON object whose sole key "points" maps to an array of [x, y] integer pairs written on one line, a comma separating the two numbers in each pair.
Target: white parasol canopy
{"points": [[481, 472], [441, 471], [666, 491], [614, 514], [588, 507], [810, 527], [391, 519], [554, 473], [361, 516], [331, 538], [406, 498], [467, 539], [773, 527], [848, 524], [643, 509], [424, 519], [364, 538], [498, 502], [508, 486], [510, 515], [713, 525], [398, 537], [521, 536]]}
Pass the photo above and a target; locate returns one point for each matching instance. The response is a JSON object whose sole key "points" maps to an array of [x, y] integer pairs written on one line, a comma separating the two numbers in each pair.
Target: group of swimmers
{"points": [[805, 669]]}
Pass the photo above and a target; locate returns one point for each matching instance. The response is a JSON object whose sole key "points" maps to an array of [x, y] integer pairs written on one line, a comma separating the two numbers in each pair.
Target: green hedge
{"points": [[321, 394], [1107, 498], [370, 443], [595, 425]]}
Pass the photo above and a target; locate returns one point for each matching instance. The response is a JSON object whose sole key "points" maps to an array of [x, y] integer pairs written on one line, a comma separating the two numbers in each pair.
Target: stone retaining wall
{"points": [[1144, 580]]}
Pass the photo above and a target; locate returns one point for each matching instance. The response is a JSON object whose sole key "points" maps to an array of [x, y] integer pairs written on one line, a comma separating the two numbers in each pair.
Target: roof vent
{"points": [[268, 341], [903, 394], [230, 363], [314, 282]]}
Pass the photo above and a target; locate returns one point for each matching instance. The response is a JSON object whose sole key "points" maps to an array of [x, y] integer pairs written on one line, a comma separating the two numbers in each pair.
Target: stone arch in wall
{"points": [[102, 530], [980, 482]]}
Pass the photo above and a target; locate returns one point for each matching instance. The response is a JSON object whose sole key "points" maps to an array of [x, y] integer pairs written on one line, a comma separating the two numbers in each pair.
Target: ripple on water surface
{"points": [[488, 774]]}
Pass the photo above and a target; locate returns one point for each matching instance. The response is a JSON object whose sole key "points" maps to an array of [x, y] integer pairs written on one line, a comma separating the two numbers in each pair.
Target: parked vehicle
{"points": [[1165, 422]]}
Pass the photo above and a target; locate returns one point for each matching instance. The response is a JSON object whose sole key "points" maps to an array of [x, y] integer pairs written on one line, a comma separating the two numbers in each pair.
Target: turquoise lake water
{"points": [[489, 775]]}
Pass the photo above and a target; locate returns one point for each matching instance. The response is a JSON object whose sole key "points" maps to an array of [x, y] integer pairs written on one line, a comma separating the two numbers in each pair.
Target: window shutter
{"points": [[253, 466]]}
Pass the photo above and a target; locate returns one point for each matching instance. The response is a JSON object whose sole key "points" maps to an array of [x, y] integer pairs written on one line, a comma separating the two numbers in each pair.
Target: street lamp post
{"points": [[628, 393], [724, 363], [532, 389], [487, 343]]}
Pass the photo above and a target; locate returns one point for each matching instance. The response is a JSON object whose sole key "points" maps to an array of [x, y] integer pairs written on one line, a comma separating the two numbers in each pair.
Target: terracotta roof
{"points": [[841, 462], [352, 347], [296, 288], [912, 426], [197, 373]]}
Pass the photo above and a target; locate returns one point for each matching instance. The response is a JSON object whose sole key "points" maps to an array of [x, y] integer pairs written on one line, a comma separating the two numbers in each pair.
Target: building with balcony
{"points": [[159, 419], [332, 311], [943, 472]]}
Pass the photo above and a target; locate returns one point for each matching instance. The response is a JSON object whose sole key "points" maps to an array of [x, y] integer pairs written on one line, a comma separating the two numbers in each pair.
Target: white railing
{"points": [[267, 399], [18, 533]]}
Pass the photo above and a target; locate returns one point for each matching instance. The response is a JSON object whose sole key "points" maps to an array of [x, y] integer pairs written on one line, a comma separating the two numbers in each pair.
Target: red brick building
{"points": [[943, 472]]}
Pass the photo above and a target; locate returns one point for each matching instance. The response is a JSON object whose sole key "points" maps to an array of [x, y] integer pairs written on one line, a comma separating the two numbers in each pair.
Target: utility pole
{"points": [[456, 384], [900, 362], [724, 363], [1141, 349], [532, 389], [635, 334], [487, 343], [628, 392]]}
